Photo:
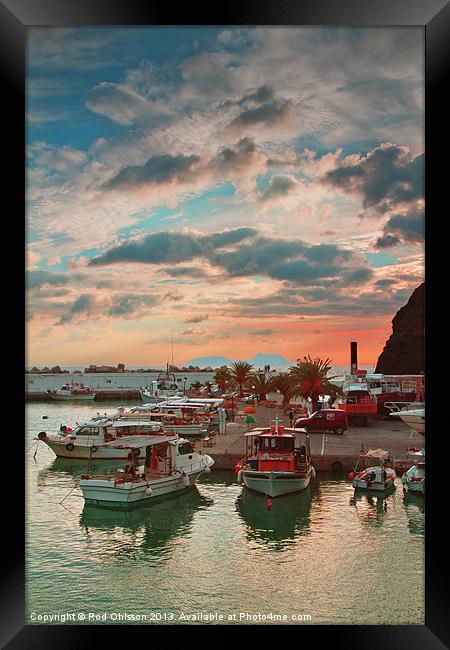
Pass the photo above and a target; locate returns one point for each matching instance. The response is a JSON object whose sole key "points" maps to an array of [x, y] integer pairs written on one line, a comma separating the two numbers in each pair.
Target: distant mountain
{"points": [[204, 362], [275, 360], [259, 360]]}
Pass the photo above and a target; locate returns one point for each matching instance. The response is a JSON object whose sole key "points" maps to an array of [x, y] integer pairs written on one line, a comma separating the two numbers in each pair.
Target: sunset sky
{"points": [[248, 190]]}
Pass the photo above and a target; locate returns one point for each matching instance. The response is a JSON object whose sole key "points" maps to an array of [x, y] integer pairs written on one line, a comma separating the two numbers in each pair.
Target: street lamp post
{"points": [[184, 386]]}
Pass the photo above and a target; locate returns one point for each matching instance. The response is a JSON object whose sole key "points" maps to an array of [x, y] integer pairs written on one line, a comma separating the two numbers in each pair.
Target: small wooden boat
{"points": [[413, 480], [171, 465], [376, 478], [72, 392]]}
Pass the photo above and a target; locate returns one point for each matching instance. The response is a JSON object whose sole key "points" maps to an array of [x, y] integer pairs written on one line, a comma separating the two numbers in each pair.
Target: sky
{"points": [[241, 189]]}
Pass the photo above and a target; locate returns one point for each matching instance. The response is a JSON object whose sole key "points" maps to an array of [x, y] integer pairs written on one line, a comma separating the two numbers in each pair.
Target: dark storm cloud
{"points": [[261, 107], [263, 332], [157, 170], [408, 227], [80, 305], [278, 186], [231, 158], [270, 112], [36, 279], [388, 175], [129, 304], [228, 237], [156, 248], [291, 301], [247, 254], [161, 247], [244, 254], [185, 271], [387, 241]]}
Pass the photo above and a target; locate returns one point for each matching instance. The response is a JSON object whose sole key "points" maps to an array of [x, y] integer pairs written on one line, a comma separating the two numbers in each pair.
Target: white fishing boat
{"points": [[165, 386], [414, 418], [273, 465], [90, 440], [171, 465], [72, 392], [377, 478], [413, 480]]}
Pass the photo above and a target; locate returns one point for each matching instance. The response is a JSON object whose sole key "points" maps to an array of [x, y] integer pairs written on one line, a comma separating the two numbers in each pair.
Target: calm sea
{"points": [[217, 550]]}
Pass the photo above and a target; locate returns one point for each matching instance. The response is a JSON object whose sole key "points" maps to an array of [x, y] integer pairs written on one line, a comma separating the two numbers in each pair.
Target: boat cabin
{"points": [[274, 450], [101, 432]]}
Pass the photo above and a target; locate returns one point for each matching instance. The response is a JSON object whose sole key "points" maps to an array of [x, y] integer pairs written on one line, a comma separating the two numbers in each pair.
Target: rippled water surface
{"points": [[217, 548]]}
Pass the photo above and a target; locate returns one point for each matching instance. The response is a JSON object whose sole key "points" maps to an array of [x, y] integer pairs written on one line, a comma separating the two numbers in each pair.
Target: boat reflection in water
{"points": [[152, 530], [415, 509], [371, 508], [280, 525], [68, 471]]}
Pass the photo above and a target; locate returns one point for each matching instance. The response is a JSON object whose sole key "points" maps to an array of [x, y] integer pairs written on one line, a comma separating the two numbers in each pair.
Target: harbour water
{"points": [[216, 550]]}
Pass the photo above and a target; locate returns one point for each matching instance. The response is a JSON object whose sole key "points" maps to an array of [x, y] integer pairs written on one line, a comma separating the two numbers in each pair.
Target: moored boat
{"points": [[413, 480], [376, 478], [72, 392], [273, 465], [90, 440], [171, 465], [164, 387], [413, 417]]}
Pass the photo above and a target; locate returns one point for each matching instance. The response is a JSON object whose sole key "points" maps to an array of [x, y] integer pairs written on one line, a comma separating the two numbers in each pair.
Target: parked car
{"points": [[249, 399], [334, 420]]}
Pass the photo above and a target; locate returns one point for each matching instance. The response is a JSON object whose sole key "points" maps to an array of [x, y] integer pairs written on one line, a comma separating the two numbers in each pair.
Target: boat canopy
{"points": [[133, 442], [267, 432], [118, 424], [376, 453]]}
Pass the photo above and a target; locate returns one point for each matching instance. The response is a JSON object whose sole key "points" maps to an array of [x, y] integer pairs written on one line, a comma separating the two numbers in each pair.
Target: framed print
{"points": [[225, 361]]}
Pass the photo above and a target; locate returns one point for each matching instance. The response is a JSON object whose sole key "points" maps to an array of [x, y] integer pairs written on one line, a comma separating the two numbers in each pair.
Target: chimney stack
{"points": [[353, 357]]}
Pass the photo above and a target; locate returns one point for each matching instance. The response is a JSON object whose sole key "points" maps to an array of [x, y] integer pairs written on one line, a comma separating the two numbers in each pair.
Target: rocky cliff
{"points": [[403, 353]]}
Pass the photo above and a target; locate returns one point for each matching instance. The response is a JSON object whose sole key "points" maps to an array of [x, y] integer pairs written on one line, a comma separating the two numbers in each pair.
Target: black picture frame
{"points": [[16, 16]]}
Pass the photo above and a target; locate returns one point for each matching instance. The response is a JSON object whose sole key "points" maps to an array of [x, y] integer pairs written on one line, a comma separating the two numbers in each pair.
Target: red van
{"points": [[334, 420]]}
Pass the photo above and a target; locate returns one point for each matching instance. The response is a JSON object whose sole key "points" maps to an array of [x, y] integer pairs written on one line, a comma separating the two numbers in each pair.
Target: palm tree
{"points": [[240, 374], [283, 382], [262, 384], [222, 377], [310, 379]]}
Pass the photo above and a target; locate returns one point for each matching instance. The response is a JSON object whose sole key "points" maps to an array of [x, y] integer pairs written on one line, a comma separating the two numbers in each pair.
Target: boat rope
{"points": [[71, 490]]}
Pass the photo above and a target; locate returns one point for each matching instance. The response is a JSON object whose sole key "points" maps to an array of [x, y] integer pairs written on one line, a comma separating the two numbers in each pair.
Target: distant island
{"points": [[259, 360]]}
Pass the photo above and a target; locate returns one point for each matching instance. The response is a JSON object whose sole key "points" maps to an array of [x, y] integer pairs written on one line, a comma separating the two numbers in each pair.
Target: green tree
{"points": [[197, 385], [284, 383], [262, 384], [223, 378], [310, 379], [240, 374]]}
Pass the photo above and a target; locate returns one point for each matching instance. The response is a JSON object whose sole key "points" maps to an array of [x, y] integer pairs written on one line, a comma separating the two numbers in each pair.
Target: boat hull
{"points": [[72, 398], [83, 452], [104, 494], [414, 488], [414, 420], [381, 486], [275, 484]]}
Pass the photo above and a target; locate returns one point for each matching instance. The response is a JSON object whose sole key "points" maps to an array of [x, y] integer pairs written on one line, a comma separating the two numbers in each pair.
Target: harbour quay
{"points": [[330, 452], [107, 386]]}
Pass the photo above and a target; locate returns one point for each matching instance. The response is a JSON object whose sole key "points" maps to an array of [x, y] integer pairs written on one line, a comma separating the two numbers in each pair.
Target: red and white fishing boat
{"points": [[72, 392], [273, 465]]}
